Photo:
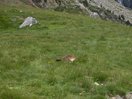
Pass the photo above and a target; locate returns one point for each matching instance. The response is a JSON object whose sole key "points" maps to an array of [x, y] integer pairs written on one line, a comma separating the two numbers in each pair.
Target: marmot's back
{"points": [[69, 58]]}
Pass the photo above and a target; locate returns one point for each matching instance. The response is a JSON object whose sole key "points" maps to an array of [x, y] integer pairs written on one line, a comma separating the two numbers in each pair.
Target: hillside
{"points": [[28, 66], [104, 9]]}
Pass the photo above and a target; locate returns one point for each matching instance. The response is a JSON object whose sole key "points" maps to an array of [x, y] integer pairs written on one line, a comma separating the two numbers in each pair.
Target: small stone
{"points": [[114, 97], [118, 97], [20, 11], [129, 95], [97, 84], [94, 15]]}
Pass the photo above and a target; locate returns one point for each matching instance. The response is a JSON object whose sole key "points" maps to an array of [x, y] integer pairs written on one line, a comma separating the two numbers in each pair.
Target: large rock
{"points": [[29, 21]]}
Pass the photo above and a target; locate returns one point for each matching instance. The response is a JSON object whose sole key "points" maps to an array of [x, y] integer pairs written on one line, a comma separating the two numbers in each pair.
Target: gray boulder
{"points": [[29, 21]]}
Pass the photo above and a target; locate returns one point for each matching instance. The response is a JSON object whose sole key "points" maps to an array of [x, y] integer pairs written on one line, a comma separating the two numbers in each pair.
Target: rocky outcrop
{"points": [[117, 9], [105, 9]]}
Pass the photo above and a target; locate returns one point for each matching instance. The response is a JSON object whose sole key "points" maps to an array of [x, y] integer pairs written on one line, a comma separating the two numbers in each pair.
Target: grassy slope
{"points": [[28, 69]]}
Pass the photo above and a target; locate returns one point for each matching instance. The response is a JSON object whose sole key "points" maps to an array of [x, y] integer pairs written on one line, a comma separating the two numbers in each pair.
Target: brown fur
{"points": [[68, 58]]}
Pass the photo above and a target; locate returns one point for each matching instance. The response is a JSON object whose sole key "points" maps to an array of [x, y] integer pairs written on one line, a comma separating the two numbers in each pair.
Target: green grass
{"points": [[28, 69]]}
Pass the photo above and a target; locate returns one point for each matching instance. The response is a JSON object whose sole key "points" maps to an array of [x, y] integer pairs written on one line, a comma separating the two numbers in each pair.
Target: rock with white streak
{"points": [[29, 21]]}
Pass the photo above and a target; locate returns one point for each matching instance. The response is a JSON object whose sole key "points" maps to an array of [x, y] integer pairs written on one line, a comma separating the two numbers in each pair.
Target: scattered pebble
{"points": [[97, 84]]}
